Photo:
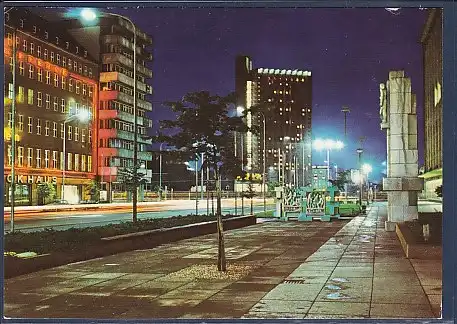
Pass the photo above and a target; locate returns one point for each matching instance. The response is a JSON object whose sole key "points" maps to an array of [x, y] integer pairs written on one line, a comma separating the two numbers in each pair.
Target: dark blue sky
{"points": [[349, 51]]}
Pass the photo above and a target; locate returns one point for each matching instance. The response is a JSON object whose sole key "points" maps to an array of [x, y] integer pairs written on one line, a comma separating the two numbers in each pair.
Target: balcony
{"points": [[106, 95], [121, 115], [107, 171], [139, 33], [117, 76], [105, 133], [109, 58], [119, 40], [124, 153]]}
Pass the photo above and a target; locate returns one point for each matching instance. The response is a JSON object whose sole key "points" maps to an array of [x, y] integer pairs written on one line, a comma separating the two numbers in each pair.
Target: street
{"points": [[62, 220]]}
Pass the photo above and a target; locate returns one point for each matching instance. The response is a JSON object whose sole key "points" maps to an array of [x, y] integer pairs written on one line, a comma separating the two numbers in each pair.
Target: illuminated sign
{"points": [[30, 179]]}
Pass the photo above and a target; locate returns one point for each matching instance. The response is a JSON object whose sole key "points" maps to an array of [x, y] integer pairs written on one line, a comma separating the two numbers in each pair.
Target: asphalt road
{"points": [[62, 221]]}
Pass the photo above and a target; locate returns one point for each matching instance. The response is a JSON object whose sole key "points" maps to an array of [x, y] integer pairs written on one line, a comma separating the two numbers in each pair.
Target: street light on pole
{"points": [[264, 167], [366, 168], [82, 116], [90, 15], [328, 145], [359, 152]]}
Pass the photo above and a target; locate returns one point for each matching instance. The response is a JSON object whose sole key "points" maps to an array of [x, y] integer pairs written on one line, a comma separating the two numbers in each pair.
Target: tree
{"points": [[203, 125], [343, 178], [93, 189], [132, 178], [45, 191]]}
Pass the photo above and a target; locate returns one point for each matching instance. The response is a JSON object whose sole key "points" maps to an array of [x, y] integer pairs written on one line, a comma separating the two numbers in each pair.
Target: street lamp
{"points": [[366, 169], [82, 116], [160, 172], [359, 152], [328, 145], [90, 15], [264, 173]]}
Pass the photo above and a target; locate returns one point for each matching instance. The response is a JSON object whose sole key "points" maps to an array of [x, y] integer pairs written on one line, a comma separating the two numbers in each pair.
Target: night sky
{"points": [[349, 51]]}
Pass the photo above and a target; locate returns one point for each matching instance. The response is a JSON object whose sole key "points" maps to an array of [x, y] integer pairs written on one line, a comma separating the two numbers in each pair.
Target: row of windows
{"points": [[118, 162], [118, 68], [56, 58], [120, 143], [54, 79], [120, 125], [50, 128], [47, 159], [57, 103]]}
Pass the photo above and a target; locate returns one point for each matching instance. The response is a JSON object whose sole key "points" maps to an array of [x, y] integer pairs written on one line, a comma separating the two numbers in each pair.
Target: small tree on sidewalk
{"points": [[93, 189], [204, 125], [131, 177], [45, 191]]}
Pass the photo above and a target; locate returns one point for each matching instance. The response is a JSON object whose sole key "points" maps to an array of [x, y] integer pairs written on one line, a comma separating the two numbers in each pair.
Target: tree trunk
{"points": [[221, 262], [135, 201], [252, 213]]}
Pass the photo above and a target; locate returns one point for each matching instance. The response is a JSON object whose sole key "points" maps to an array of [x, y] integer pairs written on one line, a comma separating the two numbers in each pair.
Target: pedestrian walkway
{"points": [[338, 269]]}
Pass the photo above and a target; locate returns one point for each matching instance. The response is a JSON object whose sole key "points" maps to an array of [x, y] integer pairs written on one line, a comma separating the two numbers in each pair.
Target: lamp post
{"points": [[328, 145], [366, 168], [160, 172], [82, 116], [264, 167], [359, 152], [345, 111], [286, 139], [90, 15]]}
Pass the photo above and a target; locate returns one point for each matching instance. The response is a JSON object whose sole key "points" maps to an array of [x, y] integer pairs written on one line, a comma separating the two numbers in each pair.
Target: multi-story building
{"points": [[116, 125], [55, 78], [432, 44], [284, 98]]}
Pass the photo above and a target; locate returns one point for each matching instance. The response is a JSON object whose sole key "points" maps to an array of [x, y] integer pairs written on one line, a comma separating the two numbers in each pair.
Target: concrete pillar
{"points": [[399, 119]]}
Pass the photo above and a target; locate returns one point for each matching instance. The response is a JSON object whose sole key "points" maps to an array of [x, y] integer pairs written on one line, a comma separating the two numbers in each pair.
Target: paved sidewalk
{"points": [[340, 269]]}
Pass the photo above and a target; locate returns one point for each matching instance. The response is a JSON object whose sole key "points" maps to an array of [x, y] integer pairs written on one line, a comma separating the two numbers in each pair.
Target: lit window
{"points": [[40, 74], [48, 101], [83, 135], [46, 158], [54, 159], [45, 54], [70, 84], [38, 158], [90, 91], [56, 80], [64, 61], [29, 157], [38, 50], [76, 134], [54, 129], [83, 163], [70, 66], [30, 125], [78, 84], [75, 65], [64, 85], [20, 156], [80, 69], [46, 35], [70, 133], [21, 67], [89, 163], [21, 122], [48, 77], [46, 128], [52, 57], [85, 69], [22, 23], [24, 45], [56, 104], [76, 162], [21, 94], [90, 136], [40, 99], [58, 58], [69, 161], [32, 48], [62, 105], [30, 96], [84, 89], [10, 156], [62, 130], [57, 40], [90, 73]]}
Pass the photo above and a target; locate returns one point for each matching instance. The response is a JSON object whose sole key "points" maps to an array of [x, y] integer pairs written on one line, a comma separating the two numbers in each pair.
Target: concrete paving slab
{"points": [[341, 308], [401, 311]]}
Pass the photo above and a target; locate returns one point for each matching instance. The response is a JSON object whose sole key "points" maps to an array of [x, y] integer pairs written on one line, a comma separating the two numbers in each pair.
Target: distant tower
{"points": [[345, 111]]}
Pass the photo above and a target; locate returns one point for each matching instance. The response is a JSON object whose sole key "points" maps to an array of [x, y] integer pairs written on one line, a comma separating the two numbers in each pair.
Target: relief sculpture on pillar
{"points": [[383, 103]]}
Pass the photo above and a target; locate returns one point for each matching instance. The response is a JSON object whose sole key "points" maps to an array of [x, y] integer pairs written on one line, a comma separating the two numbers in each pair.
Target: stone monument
{"points": [[399, 119]]}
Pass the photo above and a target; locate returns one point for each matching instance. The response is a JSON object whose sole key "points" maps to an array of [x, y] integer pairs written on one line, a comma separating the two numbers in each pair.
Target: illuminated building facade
{"points": [[285, 100], [55, 77], [432, 44]]}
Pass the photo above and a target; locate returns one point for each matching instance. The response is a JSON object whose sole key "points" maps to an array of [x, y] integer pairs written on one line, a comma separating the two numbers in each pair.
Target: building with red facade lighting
{"points": [[55, 78]]}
